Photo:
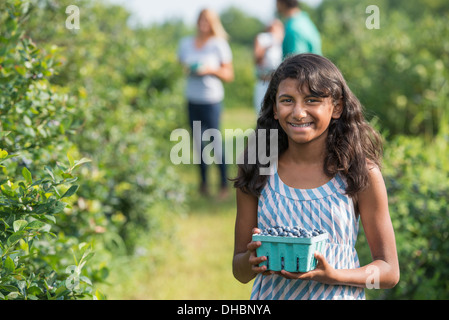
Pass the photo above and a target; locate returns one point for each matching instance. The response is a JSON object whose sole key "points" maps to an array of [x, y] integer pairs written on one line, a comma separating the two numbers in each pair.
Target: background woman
{"points": [[208, 59]]}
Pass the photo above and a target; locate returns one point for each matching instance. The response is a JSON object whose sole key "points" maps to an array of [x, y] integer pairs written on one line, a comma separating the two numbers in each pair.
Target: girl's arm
{"points": [[244, 264], [376, 221], [384, 269]]}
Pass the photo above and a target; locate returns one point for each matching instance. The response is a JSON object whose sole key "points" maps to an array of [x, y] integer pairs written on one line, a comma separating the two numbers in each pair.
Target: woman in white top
{"points": [[267, 56], [208, 58]]}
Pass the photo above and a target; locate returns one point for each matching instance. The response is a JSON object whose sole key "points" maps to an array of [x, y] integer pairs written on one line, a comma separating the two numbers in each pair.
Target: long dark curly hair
{"points": [[353, 145]]}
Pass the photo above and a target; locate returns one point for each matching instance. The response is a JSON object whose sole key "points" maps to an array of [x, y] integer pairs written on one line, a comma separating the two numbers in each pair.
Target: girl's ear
{"points": [[338, 109], [275, 111]]}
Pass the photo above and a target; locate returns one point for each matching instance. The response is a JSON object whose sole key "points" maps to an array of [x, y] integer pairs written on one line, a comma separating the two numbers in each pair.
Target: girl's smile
{"points": [[300, 125]]}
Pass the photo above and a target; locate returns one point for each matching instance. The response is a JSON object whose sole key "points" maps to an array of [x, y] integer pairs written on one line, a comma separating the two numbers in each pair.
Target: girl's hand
{"points": [[323, 272], [254, 260]]}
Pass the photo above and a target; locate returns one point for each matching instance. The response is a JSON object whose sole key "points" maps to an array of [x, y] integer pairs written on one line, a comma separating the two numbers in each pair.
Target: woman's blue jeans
{"points": [[209, 117]]}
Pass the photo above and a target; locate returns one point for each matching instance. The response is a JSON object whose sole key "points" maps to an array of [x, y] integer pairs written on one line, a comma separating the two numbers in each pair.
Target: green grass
{"points": [[196, 261]]}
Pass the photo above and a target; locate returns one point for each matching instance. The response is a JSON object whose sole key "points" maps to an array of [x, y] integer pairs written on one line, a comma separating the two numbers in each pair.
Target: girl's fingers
{"points": [[253, 245], [256, 260]]}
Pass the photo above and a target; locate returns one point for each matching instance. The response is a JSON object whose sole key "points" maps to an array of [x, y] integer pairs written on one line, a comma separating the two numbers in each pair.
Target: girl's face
{"points": [[304, 117]]}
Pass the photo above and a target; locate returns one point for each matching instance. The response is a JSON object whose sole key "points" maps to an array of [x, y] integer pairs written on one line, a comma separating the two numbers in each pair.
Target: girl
{"points": [[327, 177], [208, 59]]}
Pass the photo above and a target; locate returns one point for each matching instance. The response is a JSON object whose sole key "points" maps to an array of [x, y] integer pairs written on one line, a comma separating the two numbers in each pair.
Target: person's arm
{"points": [[244, 263], [375, 217], [258, 52], [225, 72]]}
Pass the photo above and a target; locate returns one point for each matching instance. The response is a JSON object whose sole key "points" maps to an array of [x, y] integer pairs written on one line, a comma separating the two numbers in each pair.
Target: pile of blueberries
{"points": [[286, 231]]}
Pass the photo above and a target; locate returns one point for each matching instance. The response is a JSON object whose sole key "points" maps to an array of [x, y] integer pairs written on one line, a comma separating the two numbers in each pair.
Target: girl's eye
{"points": [[287, 100]]}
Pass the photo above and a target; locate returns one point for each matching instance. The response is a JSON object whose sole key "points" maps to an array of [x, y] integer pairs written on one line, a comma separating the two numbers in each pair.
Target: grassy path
{"points": [[196, 262], [201, 267]]}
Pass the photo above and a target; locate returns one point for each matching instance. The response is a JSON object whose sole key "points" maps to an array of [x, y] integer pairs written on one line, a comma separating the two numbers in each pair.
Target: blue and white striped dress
{"points": [[326, 207]]}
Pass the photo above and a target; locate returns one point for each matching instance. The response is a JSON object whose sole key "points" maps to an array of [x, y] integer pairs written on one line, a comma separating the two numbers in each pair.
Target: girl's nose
{"points": [[299, 111]]}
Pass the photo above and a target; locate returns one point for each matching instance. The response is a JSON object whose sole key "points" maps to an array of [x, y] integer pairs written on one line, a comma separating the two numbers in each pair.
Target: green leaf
{"points": [[71, 161], [35, 291], [27, 175], [23, 245], [9, 265], [70, 192], [99, 295], [61, 291], [8, 288], [36, 224], [21, 70], [19, 225], [66, 175], [3, 153], [80, 162], [87, 256], [50, 172], [50, 218], [15, 237], [86, 280], [5, 223], [13, 295]]}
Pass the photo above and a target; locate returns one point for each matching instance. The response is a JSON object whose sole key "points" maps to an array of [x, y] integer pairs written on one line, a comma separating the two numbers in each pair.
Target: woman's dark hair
{"points": [[290, 3], [352, 144]]}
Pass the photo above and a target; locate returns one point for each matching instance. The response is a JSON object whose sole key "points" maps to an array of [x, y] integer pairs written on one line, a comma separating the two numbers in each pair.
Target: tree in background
{"points": [[397, 70], [241, 27]]}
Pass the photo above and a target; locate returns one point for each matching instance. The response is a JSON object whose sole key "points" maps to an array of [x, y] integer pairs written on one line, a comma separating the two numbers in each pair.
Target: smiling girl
{"points": [[327, 177]]}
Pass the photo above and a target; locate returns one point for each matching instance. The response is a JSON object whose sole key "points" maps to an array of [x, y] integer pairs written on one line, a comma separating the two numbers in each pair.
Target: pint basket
{"points": [[290, 253]]}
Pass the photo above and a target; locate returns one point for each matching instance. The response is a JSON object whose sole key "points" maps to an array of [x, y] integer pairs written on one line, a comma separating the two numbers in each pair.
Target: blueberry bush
{"points": [[398, 70], [416, 173], [96, 93], [36, 185], [128, 85]]}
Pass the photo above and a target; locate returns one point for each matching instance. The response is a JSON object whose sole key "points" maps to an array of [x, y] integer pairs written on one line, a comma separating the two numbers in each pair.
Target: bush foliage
{"points": [[36, 262], [96, 93]]}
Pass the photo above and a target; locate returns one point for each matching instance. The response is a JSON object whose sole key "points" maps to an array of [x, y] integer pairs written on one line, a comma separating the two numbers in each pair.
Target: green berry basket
{"points": [[291, 254]]}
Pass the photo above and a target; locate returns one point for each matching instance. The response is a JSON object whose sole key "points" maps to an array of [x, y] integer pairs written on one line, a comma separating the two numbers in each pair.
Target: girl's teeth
{"points": [[300, 125]]}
